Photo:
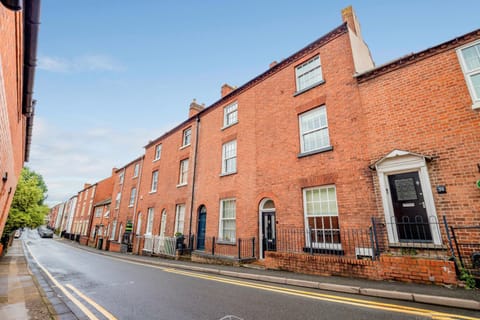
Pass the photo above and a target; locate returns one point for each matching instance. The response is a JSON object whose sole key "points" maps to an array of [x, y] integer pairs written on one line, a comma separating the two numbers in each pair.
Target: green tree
{"points": [[27, 208]]}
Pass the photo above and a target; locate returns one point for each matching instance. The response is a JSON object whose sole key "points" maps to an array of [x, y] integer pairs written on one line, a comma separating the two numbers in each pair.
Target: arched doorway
{"points": [[267, 226], [202, 227]]}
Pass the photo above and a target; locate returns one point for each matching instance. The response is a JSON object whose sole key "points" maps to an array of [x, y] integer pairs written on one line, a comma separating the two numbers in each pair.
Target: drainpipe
{"points": [[137, 196], [117, 210], [195, 152]]}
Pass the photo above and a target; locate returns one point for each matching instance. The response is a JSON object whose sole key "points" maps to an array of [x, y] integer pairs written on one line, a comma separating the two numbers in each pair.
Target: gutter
{"points": [[31, 22], [14, 5], [197, 129]]}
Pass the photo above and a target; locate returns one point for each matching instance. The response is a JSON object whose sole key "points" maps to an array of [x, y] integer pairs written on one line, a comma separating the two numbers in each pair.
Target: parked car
{"points": [[18, 234], [44, 232]]}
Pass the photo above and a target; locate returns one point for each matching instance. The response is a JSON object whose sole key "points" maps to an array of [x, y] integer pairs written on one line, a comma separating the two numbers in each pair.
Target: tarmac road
{"points": [[108, 288]]}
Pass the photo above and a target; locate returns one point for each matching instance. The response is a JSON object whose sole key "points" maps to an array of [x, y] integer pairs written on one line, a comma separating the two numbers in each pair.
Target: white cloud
{"points": [[53, 64], [67, 159], [84, 63]]}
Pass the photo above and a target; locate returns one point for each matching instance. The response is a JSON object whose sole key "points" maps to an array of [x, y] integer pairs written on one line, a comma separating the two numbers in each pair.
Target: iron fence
{"points": [[356, 243], [160, 245], [412, 235], [466, 245], [242, 248], [165, 245]]}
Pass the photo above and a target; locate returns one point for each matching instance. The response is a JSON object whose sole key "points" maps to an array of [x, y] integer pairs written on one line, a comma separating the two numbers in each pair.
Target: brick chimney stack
{"points": [[226, 89], [348, 16], [195, 108], [273, 64]]}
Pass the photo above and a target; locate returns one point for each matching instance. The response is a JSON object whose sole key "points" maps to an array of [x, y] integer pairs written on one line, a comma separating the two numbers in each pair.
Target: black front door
{"points": [[268, 231], [408, 202], [202, 225]]}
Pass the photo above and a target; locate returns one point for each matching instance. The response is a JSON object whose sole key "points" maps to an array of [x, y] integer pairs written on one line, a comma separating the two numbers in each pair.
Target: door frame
{"points": [[199, 212], [261, 211], [403, 162]]}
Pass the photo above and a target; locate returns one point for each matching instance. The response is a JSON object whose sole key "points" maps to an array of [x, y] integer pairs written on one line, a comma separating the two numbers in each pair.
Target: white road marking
{"points": [[80, 305]]}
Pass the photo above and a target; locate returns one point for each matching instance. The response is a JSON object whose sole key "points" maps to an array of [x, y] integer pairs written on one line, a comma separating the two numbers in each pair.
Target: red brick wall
{"points": [[168, 193], [12, 122], [406, 269], [425, 107]]}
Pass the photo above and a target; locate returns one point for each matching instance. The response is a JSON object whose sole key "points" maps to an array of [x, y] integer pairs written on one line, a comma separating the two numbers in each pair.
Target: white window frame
{"points": [[158, 152], [120, 233], [229, 159], [183, 172], [139, 224], [179, 218], [230, 115], [309, 68], [117, 200], [187, 137], [163, 223], [154, 183], [221, 228], [98, 212], [133, 194], [122, 176], [321, 113], [136, 169], [150, 217], [114, 230], [470, 73], [319, 238]]}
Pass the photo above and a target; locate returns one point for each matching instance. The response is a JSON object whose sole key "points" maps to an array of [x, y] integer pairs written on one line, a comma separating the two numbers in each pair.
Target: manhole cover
{"points": [[231, 317]]}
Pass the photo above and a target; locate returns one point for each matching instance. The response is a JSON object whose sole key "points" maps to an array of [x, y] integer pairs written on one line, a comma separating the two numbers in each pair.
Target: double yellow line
{"points": [[72, 298], [277, 289], [326, 297]]}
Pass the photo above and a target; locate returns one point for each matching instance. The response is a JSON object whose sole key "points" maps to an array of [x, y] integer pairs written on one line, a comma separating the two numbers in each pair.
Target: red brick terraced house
{"points": [[82, 219], [99, 224], [68, 214], [326, 164], [18, 43], [165, 203], [55, 216], [124, 207], [323, 164]]}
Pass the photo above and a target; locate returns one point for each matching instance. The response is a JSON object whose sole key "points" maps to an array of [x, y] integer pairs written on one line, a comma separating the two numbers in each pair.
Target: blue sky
{"points": [[113, 75]]}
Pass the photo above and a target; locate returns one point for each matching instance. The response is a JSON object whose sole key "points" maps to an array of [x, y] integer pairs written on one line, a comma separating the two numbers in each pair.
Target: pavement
{"points": [[23, 296]]}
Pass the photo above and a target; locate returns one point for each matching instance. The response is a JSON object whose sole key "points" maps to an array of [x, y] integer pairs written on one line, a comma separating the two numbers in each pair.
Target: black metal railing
{"points": [[242, 248], [466, 245], [357, 243]]}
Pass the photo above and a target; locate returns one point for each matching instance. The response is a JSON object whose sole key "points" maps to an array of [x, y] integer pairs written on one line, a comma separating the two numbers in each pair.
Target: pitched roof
{"points": [[418, 56], [338, 31]]}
